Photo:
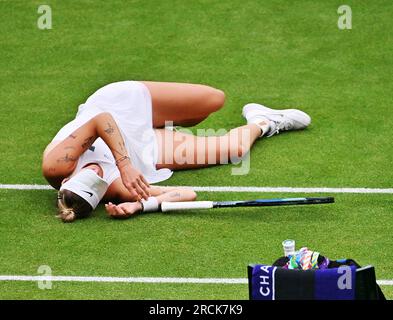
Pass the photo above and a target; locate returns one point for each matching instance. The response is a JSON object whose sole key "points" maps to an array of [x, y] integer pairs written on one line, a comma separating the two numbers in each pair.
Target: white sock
{"points": [[262, 122], [253, 116], [264, 125]]}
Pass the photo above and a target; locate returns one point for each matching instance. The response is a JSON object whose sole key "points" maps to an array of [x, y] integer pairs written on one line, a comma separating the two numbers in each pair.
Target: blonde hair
{"points": [[66, 214], [71, 206]]}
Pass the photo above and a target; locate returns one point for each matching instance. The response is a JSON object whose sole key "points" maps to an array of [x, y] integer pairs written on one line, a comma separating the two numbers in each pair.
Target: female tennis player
{"points": [[118, 145]]}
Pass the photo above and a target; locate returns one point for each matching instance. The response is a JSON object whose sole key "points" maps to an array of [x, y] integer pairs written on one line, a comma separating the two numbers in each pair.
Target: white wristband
{"points": [[150, 205]]}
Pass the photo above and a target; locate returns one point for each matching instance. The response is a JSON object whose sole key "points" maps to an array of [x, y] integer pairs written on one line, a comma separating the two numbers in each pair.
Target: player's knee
{"points": [[215, 99], [218, 100]]}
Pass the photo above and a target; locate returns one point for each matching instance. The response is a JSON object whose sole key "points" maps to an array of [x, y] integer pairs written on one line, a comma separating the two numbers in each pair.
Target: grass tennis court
{"points": [[279, 54]]}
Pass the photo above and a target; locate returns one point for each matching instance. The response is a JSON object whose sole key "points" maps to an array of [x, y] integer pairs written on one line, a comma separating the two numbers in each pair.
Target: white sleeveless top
{"points": [[129, 102]]}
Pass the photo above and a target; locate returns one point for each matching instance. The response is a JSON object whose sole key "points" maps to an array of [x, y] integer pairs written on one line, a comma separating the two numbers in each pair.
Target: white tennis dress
{"points": [[129, 102]]}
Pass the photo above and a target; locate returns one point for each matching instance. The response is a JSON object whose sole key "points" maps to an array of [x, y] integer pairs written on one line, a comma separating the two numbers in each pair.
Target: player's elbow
{"points": [[102, 117], [51, 174]]}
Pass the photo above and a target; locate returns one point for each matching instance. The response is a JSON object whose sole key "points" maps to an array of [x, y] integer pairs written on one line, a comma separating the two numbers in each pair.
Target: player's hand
{"points": [[134, 181], [122, 210]]}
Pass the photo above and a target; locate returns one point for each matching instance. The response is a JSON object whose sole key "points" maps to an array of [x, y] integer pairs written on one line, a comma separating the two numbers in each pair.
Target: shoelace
{"points": [[281, 126]]}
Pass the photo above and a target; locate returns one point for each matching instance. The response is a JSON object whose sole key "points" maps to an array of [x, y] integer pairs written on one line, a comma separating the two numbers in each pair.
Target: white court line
{"points": [[141, 279], [295, 190], [237, 189], [126, 280], [385, 282], [25, 187]]}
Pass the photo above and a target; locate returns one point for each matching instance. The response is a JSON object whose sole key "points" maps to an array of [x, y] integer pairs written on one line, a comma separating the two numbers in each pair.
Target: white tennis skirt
{"points": [[130, 104]]}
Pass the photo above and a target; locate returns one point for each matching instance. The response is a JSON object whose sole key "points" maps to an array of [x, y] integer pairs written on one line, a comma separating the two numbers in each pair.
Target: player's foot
{"points": [[278, 120]]}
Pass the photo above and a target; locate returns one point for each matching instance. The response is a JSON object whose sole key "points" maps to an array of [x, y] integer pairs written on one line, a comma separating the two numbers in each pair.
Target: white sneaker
{"points": [[279, 120]]}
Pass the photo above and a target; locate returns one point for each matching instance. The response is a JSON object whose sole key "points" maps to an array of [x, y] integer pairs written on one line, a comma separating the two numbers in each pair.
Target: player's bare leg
{"points": [[179, 150], [183, 104]]}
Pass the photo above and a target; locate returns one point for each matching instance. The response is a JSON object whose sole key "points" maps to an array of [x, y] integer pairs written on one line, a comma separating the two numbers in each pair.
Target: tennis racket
{"points": [[193, 205]]}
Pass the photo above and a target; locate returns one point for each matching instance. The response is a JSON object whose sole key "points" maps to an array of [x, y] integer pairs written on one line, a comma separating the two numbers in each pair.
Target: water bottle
{"points": [[289, 247]]}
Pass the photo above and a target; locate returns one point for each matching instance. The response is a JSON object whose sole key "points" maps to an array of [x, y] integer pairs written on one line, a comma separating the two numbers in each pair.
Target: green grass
{"points": [[273, 52], [217, 243]]}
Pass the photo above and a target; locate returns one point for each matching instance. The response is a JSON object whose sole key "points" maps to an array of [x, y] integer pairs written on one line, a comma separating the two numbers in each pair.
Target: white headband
{"points": [[88, 185]]}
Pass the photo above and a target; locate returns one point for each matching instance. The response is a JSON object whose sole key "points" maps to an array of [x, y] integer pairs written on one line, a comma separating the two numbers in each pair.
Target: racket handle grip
{"points": [[186, 205]]}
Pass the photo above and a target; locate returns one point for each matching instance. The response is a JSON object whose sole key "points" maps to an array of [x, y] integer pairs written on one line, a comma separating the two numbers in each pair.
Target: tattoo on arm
{"points": [[88, 142], [122, 152], [174, 194], [110, 130], [67, 158], [112, 137], [122, 146]]}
